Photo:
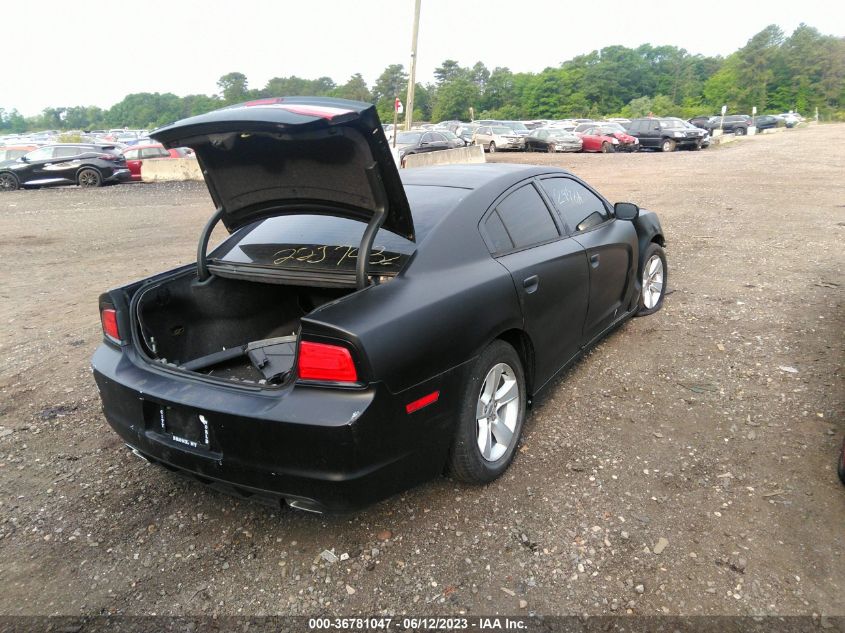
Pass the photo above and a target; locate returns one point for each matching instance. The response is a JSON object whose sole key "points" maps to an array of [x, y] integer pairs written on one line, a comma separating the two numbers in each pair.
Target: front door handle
{"points": [[594, 261], [531, 283]]}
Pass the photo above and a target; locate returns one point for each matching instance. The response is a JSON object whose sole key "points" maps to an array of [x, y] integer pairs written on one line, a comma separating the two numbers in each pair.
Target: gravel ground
{"points": [[685, 466]]}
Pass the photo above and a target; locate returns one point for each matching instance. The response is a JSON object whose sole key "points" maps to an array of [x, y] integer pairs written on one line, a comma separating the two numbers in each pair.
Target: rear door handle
{"points": [[531, 283], [594, 261]]}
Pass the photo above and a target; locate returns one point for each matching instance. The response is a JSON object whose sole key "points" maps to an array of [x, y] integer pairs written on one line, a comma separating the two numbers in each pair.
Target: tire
{"points": [[9, 182], [492, 148], [89, 178], [551, 149], [740, 131], [607, 148], [667, 145], [497, 366], [650, 276]]}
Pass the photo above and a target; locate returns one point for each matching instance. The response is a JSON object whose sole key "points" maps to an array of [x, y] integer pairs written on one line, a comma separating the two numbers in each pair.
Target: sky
{"points": [[96, 53]]}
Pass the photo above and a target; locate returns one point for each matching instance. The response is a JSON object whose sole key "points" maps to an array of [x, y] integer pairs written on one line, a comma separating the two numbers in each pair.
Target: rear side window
{"points": [[526, 218], [578, 207], [67, 152], [132, 154]]}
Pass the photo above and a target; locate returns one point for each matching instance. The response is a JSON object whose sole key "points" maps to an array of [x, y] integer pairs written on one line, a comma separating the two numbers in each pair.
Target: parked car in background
{"points": [[594, 139], [791, 119], [702, 121], [454, 140], [768, 122], [465, 132], [65, 164], [596, 135], [420, 142], [737, 124], [136, 155], [702, 134], [11, 152], [667, 134], [547, 139], [279, 368], [517, 126], [497, 137]]}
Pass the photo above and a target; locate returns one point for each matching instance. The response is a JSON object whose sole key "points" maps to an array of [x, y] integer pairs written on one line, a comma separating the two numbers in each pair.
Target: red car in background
{"points": [[12, 152], [606, 137], [137, 154]]}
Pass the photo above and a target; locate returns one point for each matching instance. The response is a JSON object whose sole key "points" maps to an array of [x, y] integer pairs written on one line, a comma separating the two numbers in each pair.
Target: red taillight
{"points": [[108, 316], [331, 363]]}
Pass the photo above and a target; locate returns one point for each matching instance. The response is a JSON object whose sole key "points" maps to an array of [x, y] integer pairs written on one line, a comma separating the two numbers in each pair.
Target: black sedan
{"points": [[86, 165], [422, 141], [360, 331]]}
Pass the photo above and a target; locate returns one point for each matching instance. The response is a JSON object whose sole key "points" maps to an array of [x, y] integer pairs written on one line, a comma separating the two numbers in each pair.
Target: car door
{"points": [[610, 247], [30, 167], [591, 142], [437, 142], [133, 162], [549, 273], [65, 163]]}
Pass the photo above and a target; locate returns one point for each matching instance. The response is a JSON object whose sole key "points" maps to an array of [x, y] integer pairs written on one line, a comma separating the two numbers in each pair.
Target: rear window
{"points": [[324, 242]]}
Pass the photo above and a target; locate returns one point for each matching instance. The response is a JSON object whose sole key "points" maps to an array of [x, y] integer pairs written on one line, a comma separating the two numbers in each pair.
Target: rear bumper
{"points": [[316, 449], [119, 175]]}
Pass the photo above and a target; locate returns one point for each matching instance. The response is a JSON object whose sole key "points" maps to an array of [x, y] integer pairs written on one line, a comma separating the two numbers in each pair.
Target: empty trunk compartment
{"points": [[230, 329]]}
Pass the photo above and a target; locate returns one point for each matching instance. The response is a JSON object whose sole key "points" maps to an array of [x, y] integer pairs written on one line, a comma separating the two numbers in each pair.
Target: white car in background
{"points": [[496, 137]]}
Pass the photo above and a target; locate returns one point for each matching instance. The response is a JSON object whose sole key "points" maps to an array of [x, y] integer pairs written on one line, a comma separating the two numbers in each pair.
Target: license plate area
{"points": [[183, 426]]}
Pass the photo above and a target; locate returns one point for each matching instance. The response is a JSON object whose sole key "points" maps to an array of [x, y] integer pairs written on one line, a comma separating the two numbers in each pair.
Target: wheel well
{"points": [[659, 239], [520, 341]]}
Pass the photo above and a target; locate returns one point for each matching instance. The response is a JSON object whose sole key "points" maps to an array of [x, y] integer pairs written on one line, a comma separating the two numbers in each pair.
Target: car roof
{"points": [[471, 176]]}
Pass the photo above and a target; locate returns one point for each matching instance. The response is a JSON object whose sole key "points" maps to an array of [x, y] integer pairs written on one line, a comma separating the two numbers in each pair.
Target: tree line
{"points": [[773, 72]]}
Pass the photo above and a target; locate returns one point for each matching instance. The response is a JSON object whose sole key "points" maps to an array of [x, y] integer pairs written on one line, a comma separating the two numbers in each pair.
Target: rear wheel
{"points": [[606, 148], [8, 182], [740, 131], [552, 148], [89, 178], [668, 145], [653, 276], [491, 416], [492, 149]]}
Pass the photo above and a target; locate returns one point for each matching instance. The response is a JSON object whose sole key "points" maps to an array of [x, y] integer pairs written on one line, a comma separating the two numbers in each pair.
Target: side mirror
{"points": [[23, 159], [626, 211]]}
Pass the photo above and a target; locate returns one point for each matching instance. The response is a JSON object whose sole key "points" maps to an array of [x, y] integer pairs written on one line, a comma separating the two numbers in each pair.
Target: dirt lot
{"points": [[713, 425]]}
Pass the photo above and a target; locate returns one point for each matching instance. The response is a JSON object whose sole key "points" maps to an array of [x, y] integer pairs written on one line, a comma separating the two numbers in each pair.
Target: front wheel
{"points": [[492, 149], [89, 178], [491, 416], [606, 148], [653, 276], [668, 145], [9, 182], [552, 148]]}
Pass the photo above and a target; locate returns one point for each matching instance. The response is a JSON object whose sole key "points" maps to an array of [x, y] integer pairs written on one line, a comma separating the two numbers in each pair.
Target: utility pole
{"points": [[409, 114]]}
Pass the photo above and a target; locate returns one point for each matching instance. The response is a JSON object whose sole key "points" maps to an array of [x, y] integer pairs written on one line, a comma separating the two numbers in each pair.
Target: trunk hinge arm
{"points": [[205, 236], [380, 212]]}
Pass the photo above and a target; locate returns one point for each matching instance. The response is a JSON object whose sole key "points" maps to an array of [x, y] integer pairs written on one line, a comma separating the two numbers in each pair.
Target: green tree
{"points": [[454, 99], [393, 82], [233, 87], [355, 89]]}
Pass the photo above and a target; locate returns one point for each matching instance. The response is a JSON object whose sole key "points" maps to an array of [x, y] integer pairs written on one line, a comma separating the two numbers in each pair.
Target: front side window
{"points": [[526, 218], [577, 206], [42, 153]]}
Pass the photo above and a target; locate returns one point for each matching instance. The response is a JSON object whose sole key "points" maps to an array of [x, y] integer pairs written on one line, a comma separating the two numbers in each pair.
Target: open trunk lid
{"points": [[292, 155]]}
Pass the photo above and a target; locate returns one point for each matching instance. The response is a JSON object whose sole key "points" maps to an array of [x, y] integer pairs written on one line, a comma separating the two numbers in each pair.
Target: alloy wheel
{"points": [[497, 412], [652, 281]]}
